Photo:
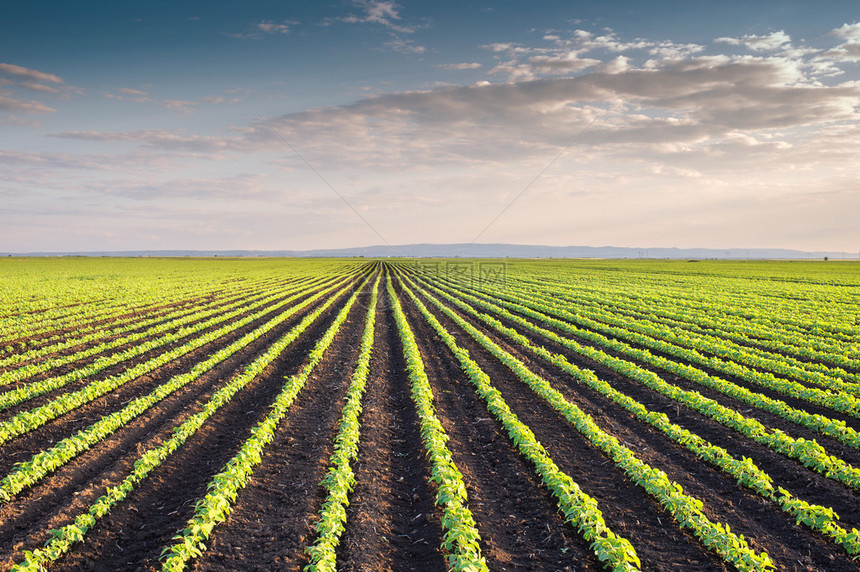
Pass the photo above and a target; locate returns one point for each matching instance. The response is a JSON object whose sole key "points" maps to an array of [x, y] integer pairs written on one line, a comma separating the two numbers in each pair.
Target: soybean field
{"points": [[468, 415]]}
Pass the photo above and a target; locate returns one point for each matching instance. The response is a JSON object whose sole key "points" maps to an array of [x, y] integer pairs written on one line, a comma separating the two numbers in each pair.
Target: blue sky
{"points": [[168, 125]]}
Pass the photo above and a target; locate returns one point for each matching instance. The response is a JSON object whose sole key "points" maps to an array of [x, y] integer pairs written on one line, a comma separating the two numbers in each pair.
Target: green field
{"points": [[351, 414]]}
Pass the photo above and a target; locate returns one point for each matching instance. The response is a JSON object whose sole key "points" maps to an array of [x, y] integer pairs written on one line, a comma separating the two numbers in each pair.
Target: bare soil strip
{"points": [[123, 365], [628, 510], [392, 522], [133, 321], [152, 514], [113, 400], [517, 517], [833, 446], [272, 520], [762, 523]]}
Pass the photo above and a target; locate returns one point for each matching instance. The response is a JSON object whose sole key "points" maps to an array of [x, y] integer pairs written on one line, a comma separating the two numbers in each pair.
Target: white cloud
{"points": [[14, 77], [383, 12], [849, 32], [844, 53], [847, 52], [672, 51], [270, 27], [30, 74], [31, 107], [129, 94], [565, 64], [240, 187], [130, 91], [167, 140], [460, 66], [768, 42], [616, 65], [264, 28], [404, 45], [180, 105], [511, 49]]}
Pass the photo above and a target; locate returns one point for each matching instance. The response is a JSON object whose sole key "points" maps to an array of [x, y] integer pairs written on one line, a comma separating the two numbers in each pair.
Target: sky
{"points": [[301, 125]]}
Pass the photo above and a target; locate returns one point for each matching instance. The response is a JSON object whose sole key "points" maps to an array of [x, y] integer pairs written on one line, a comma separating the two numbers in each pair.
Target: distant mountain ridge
{"points": [[479, 251]]}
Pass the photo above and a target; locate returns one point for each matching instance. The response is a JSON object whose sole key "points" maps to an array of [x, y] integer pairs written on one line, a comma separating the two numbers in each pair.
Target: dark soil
{"points": [[517, 517], [392, 521]]}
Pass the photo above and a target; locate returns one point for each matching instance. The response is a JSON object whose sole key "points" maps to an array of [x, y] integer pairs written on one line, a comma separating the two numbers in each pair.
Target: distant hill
{"points": [[480, 251]]}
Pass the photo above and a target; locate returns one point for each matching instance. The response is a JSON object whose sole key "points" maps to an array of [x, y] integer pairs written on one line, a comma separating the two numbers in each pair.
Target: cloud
{"points": [[180, 105], [219, 99], [383, 12], [130, 91], [768, 42], [696, 102], [673, 51], [240, 187], [265, 28], [580, 50], [129, 94], [269, 27], [14, 77], [460, 66], [32, 107], [167, 140], [510, 48], [849, 32], [847, 52], [404, 45], [550, 65], [30, 74]]}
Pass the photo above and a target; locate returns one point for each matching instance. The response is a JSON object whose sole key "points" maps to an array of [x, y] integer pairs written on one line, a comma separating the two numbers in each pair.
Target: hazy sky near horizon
{"points": [[217, 125]]}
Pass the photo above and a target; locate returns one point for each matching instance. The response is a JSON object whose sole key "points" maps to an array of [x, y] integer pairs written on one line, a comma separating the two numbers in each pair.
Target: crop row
{"points": [[647, 336], [65, 537], [215, 507], [686, 510], [460, 538], [578, 508], [114, 327], [43, 463], [560, 318], [787, 366], [817, 517], [28, 420], [160, 330], [340, 479]]}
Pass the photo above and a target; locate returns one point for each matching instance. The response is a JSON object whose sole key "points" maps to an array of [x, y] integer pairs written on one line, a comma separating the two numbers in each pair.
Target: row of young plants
{"points": [[113, 327], [154, 340], [461, 541], [784, 365], [28, 420], [64, 538], [648, 336], [223, 489], [755, 307], [538, 308], [809, 453], [791, 347], [579, 509], [685, 509], [340, 478], [12, 328], [164, 330], [86, 316], [30, 344], [721, 310], [744, 471], [88, 290], [28, 473]]}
